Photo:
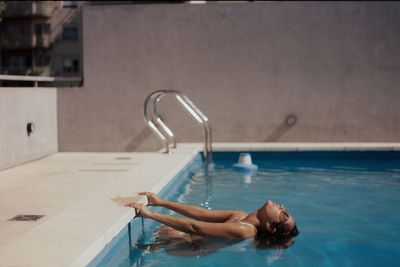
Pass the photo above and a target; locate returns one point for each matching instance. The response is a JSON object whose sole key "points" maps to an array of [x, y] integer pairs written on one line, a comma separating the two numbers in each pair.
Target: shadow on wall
{"points": [[289, 122], [138, 140], [282, 129]]}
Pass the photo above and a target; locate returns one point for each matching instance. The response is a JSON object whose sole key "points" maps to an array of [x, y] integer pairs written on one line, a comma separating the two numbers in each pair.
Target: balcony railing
{"points": [[41, 41], [53, 81], [26, 41], [17, 71], [28, 9], [37, 71], [8, 41]]}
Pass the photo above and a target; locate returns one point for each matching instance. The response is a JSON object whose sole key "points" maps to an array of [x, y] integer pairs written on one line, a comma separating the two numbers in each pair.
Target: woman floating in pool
{"points": [[271, 222]]}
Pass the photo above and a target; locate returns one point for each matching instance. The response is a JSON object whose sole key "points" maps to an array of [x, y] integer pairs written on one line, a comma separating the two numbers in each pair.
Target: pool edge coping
{"points": [[333, 146], [101, 243]]}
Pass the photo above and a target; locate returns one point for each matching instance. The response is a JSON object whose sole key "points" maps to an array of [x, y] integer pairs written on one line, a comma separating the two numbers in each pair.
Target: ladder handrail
{"points": [[165, 134]]}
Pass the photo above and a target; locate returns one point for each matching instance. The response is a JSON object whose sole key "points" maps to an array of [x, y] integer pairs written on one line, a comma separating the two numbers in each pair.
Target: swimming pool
{"points": [[344, 203]]}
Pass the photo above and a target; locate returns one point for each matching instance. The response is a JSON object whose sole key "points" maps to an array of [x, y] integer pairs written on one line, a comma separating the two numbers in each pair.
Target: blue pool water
{"points": [[345, 205]]}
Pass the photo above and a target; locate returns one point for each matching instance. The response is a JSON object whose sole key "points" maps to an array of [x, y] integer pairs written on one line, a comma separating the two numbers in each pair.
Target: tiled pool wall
{"points": [[120, 247], [309, 155]]}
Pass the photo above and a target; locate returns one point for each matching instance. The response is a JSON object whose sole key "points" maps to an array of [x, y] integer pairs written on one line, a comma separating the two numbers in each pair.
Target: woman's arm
{"points": [[194, 212], [222, 230]]}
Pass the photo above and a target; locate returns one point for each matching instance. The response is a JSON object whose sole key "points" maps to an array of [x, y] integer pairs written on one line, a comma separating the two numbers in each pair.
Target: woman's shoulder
{"points": [[237, 216]]}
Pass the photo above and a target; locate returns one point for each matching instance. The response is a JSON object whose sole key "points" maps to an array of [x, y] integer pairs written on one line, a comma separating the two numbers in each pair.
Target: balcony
{"points": [[28, 9], [41, 71], [28, 71], [41, 41], [25, 41], [17, 70], [14, 42]]}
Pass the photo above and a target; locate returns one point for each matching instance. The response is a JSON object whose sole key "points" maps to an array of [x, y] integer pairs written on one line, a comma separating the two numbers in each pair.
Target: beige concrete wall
{"points": [[18, 107], [335, 66]]}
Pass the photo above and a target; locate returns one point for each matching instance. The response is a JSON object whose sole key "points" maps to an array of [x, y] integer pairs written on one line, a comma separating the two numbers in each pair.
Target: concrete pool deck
{"points": [[77, 191]]}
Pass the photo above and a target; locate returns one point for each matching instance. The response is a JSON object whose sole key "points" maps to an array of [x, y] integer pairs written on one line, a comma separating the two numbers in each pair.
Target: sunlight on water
{"points": [[345, 211]]}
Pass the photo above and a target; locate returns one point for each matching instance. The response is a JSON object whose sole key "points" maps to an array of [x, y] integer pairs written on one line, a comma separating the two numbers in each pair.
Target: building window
{"points": [[70, 33], [18, 62], [69, 4], [71, 65], [15, 31]]}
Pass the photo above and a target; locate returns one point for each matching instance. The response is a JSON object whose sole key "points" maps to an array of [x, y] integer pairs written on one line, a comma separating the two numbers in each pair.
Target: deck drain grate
{"points": [[122, 158], [26, 217], [115, 163], [103, 170]]}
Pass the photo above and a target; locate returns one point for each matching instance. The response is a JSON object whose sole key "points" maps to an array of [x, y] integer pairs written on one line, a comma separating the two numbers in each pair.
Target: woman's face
{"points": [[273, 213]]}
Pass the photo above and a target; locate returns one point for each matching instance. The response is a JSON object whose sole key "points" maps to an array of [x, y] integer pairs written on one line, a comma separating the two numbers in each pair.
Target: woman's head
{"points": [[275, 220]]}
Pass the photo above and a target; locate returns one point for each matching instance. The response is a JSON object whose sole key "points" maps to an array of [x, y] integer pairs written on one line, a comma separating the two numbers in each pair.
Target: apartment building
{"points": [[42, 38], [25, 37]]}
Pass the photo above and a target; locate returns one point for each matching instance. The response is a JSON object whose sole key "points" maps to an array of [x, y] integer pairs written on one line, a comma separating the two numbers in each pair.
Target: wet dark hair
{"points": [[283, 229], [281, 238], [269, 241]]}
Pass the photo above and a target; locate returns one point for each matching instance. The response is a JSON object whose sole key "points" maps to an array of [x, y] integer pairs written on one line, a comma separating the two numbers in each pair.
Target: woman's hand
{"points": [[140, 209], [153, 199]]}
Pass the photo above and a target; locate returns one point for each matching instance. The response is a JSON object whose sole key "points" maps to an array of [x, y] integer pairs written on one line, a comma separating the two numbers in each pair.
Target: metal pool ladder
{"points": [[157, 125]]}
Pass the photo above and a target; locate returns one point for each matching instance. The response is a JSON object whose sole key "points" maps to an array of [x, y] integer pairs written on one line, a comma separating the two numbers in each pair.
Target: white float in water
{"points": [[245, 163]]}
